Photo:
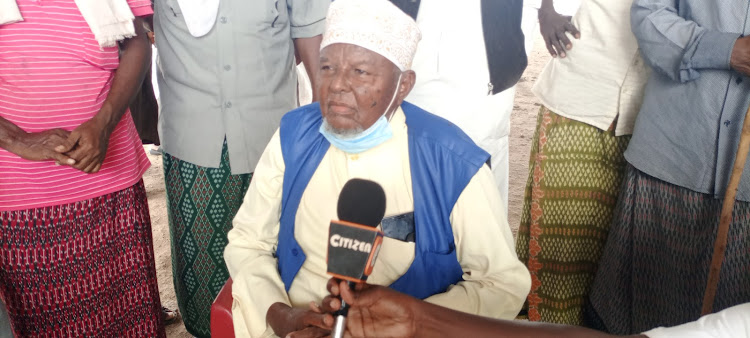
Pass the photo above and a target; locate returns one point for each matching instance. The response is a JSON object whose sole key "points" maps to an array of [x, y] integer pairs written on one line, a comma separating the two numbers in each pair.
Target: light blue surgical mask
{"points": [[377, 134]]}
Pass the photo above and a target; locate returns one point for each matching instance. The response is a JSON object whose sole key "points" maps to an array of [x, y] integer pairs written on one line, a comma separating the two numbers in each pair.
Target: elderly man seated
{"points": [[462, 254]]}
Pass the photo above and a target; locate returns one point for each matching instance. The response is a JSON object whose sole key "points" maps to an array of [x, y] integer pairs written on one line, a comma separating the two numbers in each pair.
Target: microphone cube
{"points": [[352, 250]]}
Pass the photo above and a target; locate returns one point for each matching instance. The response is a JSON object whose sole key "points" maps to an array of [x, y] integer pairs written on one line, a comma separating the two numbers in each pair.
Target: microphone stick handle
{"points": [[339, 327], [344, 310]]}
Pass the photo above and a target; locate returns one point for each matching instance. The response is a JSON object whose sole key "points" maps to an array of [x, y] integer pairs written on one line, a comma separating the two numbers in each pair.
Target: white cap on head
{"points": [[377, 25]]}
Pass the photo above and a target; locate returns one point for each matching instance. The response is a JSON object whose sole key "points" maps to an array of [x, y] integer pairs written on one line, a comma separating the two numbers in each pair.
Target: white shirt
{"points": [[564, 7], [453, 79], [733, 322], [452, 70], [495, 281], [603, 75], [199, 15]]}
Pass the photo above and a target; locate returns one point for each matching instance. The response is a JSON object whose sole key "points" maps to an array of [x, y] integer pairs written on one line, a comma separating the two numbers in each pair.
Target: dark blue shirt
{"points": [[689, 125]]}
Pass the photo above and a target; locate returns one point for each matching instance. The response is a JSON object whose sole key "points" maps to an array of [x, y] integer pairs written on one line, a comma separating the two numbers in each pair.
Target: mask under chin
{"points": [[367, 139]]}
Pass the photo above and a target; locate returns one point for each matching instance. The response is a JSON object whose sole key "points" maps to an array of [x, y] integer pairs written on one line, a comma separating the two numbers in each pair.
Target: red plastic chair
{"points": [[222, 325]]}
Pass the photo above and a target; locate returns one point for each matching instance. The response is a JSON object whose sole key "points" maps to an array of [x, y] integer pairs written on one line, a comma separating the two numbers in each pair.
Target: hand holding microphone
{"points": [[376, 311]]}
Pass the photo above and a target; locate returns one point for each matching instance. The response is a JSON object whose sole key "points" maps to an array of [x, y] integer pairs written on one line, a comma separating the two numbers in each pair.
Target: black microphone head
{"points": [[362, 202]]}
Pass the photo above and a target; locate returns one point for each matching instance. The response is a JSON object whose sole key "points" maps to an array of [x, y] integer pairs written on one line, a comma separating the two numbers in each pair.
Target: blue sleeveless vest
{"points": [[443, 160]]}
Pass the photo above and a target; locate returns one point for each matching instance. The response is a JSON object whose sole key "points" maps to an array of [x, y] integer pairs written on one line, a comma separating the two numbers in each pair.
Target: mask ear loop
{"points": [[393, 99]]}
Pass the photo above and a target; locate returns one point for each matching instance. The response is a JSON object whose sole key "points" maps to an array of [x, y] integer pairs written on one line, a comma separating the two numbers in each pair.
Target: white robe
{"points": [[453, 78]]}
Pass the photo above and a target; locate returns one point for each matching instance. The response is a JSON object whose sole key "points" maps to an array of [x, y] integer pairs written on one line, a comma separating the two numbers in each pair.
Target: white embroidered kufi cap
{"points": [[377, 25]]}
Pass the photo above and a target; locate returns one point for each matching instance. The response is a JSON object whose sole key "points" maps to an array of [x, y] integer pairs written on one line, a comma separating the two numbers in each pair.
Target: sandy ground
{"points": [[522, 127], [523, 123]]}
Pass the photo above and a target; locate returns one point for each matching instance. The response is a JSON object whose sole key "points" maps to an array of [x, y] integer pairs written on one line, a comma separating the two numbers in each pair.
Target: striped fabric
{"points": [[53, 74]]}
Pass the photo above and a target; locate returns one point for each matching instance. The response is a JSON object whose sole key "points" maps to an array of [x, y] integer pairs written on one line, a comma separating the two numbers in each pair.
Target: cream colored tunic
{"points": [[495, 281], [603, 76]]}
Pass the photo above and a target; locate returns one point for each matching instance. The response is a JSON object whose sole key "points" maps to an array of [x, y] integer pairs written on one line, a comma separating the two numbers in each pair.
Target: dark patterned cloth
{"points": [[575, 173], [82, 269], [655, 264], [202, 203]]}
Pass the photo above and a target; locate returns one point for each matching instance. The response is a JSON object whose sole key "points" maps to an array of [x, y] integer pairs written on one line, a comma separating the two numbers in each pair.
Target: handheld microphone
{"points": [[353, 240]]}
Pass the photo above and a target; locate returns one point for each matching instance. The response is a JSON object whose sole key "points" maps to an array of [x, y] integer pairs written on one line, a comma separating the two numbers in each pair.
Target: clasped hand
{"points": [[87, 145], [84, 148]]}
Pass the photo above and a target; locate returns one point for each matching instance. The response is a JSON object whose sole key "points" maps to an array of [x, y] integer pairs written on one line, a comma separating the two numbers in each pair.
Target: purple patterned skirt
{"points": [[81, 269]]}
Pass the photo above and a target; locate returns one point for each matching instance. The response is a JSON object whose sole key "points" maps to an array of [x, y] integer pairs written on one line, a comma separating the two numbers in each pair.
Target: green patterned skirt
{"points": [[202, 203], [575, 172]]}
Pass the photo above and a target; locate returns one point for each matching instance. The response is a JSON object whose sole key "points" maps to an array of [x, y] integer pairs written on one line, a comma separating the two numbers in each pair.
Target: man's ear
{"points": [[408, 79]]}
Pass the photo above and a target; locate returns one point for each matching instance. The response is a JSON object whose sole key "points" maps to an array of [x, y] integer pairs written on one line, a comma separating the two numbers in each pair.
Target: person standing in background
{"points": [[226, 76], [469, 60], [656, 262], [76, 249], [591, 91]]}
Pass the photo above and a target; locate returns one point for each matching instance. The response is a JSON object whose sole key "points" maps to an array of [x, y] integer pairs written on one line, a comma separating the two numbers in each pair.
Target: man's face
{"points": [[355, 87]]}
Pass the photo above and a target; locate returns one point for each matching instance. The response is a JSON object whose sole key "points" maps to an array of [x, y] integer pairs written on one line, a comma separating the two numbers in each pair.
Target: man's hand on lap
{"points": [[300, 323]]}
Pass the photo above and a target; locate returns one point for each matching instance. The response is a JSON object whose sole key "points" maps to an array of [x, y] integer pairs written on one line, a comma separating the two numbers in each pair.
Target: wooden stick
{"points": [[720, 245]]}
